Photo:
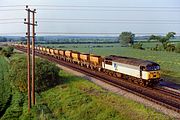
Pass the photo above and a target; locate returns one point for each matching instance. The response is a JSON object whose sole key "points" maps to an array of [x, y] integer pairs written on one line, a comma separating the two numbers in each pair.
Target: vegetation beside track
{"points": [[5, 90], [169, 61], [74, 98], [79, 99]]}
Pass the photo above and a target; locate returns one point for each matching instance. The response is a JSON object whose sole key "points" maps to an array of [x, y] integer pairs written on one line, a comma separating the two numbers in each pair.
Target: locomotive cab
{"points": [[151, 72]]}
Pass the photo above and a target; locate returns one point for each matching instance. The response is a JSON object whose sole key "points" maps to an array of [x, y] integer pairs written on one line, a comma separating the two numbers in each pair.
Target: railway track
{"points": [[164, 97], [174, 94]]}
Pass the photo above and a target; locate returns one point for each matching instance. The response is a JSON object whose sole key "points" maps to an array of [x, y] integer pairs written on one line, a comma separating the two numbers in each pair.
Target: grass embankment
{"points": [[169, 61], [75, 98], [5, 90], [79, 99]]}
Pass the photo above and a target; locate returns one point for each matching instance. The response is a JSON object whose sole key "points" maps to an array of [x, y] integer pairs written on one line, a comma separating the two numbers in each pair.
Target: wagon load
{"points": [[84, 57], [56, 52], [44, 49], [47, 50], [96, 60], [41, 48], [62, 52], [68, 53], [75, 56], [52, 51]]}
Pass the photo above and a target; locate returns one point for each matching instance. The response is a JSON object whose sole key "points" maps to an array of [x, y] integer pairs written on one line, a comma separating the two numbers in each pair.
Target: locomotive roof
{"points": [[130, 61]]}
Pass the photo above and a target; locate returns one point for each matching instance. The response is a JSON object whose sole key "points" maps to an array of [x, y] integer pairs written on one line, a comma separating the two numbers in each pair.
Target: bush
{"points": [[0, 48], [46, 74], [170, 47], [158, 48], [177, 48], [138, 46], [7, 51]]}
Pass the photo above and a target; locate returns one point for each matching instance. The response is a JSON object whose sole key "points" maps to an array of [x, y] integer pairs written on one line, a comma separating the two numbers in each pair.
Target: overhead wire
{"points": [[113, 8], [93, 6], [10, 22]]}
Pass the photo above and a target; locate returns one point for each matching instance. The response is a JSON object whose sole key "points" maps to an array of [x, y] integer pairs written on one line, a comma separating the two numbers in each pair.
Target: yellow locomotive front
{"points": [[152, 73]]}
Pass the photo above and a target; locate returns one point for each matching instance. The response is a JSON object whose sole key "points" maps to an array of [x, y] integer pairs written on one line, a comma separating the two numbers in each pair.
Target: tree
{"points": [[163, 39], [126, 38]]}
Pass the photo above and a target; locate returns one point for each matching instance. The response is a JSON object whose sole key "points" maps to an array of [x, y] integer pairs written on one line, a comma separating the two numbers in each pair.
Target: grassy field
{"points": [[79, 99], [169, 61]]}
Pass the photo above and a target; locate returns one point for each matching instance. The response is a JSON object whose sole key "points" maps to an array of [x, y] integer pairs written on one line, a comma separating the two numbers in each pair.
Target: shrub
{"points": [[7, 51], [46, 74], [0, 48], [158, 47], [177, 48], [138, 46], [170, 47]]}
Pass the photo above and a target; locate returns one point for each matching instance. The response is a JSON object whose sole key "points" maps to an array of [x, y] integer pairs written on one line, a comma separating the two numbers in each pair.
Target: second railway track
{"points": [[164, 97]]}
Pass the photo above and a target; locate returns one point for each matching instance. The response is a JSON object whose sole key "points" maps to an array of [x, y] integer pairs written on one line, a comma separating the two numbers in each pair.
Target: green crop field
{"points": [[169, 61]]}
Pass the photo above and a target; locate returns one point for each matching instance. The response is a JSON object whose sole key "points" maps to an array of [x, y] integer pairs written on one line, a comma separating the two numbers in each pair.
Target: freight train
{"points": [[142, 72]]}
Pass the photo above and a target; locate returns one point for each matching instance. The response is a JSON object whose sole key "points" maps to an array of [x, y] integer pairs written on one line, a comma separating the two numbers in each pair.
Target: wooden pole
{"points": [[28, 61], [33, 59]]}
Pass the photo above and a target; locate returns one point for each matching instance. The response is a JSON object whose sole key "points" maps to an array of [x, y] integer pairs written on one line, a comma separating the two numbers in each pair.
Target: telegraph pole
{"points": [[31, 83], [33, 58]]}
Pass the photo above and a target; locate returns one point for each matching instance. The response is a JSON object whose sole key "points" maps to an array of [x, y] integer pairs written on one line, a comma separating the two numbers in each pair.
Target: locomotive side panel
{"points": [[120, 68]]}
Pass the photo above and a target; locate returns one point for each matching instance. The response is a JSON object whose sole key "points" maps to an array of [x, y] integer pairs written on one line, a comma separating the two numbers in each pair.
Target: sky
{"points": [[138, 16]]}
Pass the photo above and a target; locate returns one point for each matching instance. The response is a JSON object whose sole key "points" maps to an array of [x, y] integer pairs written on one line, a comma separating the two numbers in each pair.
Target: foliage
{"points": [[79, 99], [138, 45], [126, 38], [164, 40], [0, 48], [46, 74], [5, 89], [7, 51], [15, 110], [170, 47], [18, 72], [178, 48], [158, 48]]}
